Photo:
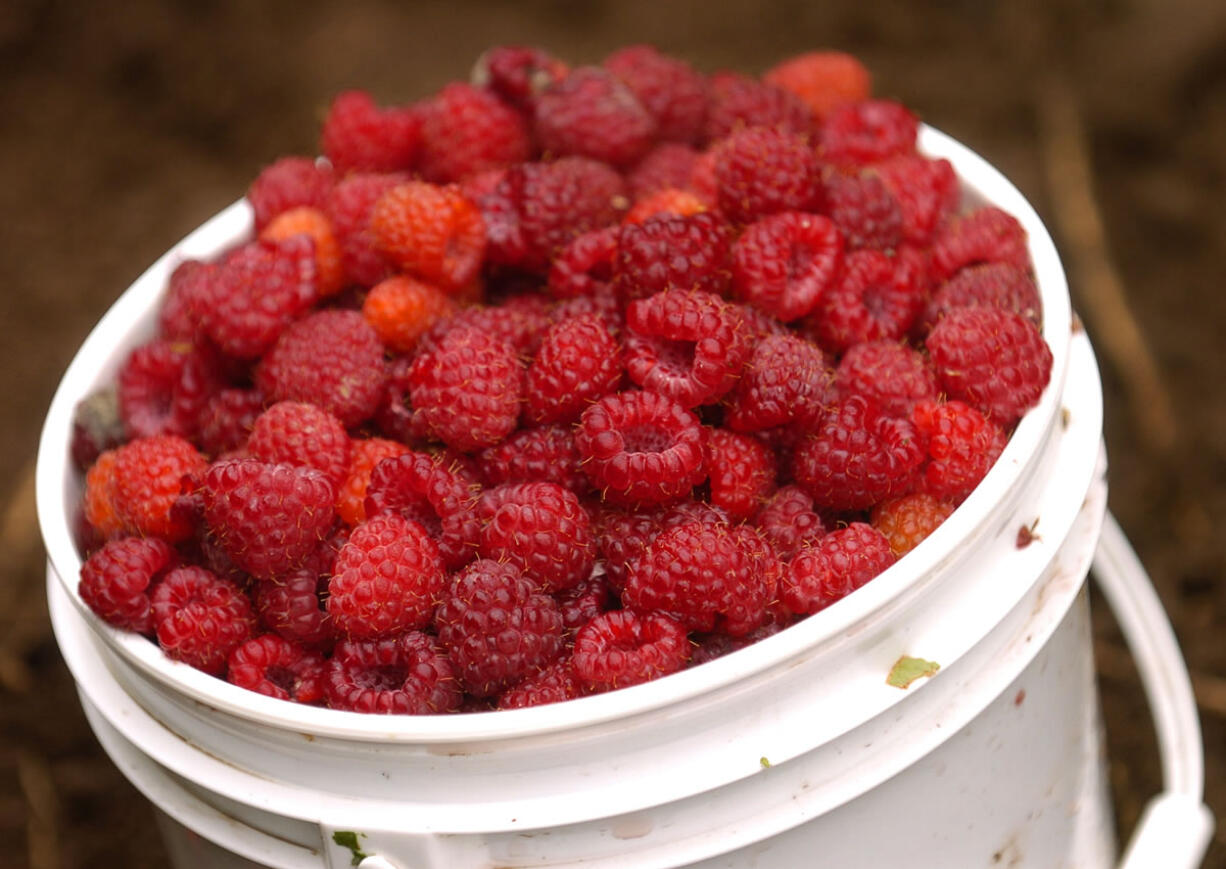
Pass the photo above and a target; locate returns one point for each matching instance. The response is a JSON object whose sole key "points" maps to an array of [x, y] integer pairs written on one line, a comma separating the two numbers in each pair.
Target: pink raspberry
{"points": [[622, 648], [577, 364], [164, 387], [585, 266], [466, 130], [547, 453], [290, 182], [876, 297], [403, 675], [518, 73], [789, 521], [542, 529], [926, 192], [667, 166], [148, 479], [200, 618], [116, 580], [672, 92], [227, 419], [349, 207], [553, 684], [962, 446], [864, 210], [359, 136], [858, 134], [764, 170], [784, 263], [275, 667], [787, 380], [889, 373], [592, 113], [842, 561], [738, 102], [992, 285], [298, 433], [742, 473], [986, 235], [293, 606], [686, 253]]}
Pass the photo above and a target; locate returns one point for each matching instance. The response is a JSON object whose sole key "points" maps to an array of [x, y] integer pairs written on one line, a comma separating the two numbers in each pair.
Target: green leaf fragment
{"points": [[907, 669], [765, 761], [349, 839]]}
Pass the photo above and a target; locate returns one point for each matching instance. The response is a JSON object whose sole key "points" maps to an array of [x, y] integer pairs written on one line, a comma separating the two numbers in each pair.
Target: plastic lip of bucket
{"points": [[131, 321]]}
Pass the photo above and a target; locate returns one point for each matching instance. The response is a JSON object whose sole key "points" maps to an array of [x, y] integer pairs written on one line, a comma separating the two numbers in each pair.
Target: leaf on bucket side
{"points": [[765, 761], [349, 839], [907, 669]]}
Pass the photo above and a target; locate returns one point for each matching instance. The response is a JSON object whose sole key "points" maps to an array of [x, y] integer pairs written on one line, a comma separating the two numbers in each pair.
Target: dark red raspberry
{"points": [[667, 166], [290, 182], [267, 518], [331, 358], [275, 667], [116, 580], [672, 91], [497, 626], [542, 529], [837, 565], [742, 472], [148, 479], [592, 113], [621, 648], [185, 290], [640, 447], [404, 675], [298, 433], [227, 419], [993, 285], [200, 618], [867, 132], [986, 235], [432, 232], [359, 136], [518, 73], [686, 344], [784, 263], [890, 373], [468, 390], [926, 192], [709, 647], [764, 170], [993, 359], [386, 580], [825, 80], [858, 457], [905, 522], [349, 207], [294, 607], [553, 684], [578, 363], [164, 387], [864, 210], [789, 521], [962, 447], [668, 251], [737, 102], [787, 379], [876, 297], [622, 535], [466, 130], [585, 266], [547, 453], [583, 602]]}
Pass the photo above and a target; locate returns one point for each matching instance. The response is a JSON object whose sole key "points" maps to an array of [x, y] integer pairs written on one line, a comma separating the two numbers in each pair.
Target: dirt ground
{"points": [[122, 126]]}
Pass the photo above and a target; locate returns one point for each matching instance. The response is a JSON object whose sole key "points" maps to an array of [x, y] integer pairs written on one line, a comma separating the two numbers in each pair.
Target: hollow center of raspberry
{"points": [[282, 677], [387, 678], [646, 439], [674, 357]]}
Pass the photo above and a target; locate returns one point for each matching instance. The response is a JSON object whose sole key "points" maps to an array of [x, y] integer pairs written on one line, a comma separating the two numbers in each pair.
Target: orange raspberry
{"points": [[822, 79], [670, 200], [908, 520], [431, 231], [401, 309], [149, 474], [367, 452], [100, 496], [313, 223]]}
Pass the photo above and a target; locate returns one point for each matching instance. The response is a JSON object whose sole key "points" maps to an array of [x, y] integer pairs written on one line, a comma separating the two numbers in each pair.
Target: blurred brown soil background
{"points": [[123, 126]]}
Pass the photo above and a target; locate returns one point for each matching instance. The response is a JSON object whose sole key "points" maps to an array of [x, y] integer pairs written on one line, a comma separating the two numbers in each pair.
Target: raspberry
{"points": [[581, 603], [667, 251], [401, 309], [386, 579], [668, 165], [542, 529], [188, 285], [889, 373], [789, 522], [709, 647], [602, 304], [926, 192], [906, 521], [621, 535], [164, 387], [293, 606], [497, 627], [868, 132], [431, 231], [468, 389], [358, 135], [737, 101], [227, 418], [315, 225], [466, 130], [519, 321], [116, 580], [404, 675], [865, 211], [763, 170], [858, 457], [592, 113], [837, 565], [824, 80], [547, 453], [993, 285], [99, 497], [267, 518], [585, 266], [986, 235], [876, 297], [200, 618], [366, 454], [553, 684], [275, 667], [669, 202], [640, 447], [994, 360], [349, 207], [577, 364], [622, 648], [298, 433], [962, 447], [688, 345], [331, 358], [782, 264], [288, 183], [742, 472], [786, 380], [672, 91], [148, 474], [518, 73]]}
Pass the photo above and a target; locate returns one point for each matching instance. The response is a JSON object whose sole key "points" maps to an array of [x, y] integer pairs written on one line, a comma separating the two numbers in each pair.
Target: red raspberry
{"points": [[603, 304], [288, 183], [864, 210], [578, 363], [331, 358], [387, 579], [986, 235], [825, 80], [164, 387], [431, 231], [672, 91], [227, 418], [962, 447], [742, 472], [709, 647], [841, 562], [926, 192], [358, 135], [876, 297], [585, 266], [293, 606], [994, 360], [737, 102], [518, 73], [686, 344], [116, 580], [267, 518], [519, 321], [906, 521], [868, 132], [497, 627], [702, 177], [366, 454], [404, 675], [401, 309], [858, 457], [275, 667], [889, 373], [298, 433], [640, 447], [148, 474], [782, 264], [666, 251], [547, 453], [466, 130], [764, 170], [187, 286], [667, 166], [622, 648], [200, 618], [621, 535], [349, 207], [583, 602], [786, 380], [542, 529], [993, 285], [592, 113], [789, 521], [468, 390], [553, 684]]}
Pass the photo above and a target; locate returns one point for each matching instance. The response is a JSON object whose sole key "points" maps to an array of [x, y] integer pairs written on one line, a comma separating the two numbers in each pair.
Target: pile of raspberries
{"points": [[560, 380]]}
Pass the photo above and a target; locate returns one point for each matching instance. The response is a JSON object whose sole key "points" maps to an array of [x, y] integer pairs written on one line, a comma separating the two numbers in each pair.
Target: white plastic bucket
{"points": [[792, 752]]}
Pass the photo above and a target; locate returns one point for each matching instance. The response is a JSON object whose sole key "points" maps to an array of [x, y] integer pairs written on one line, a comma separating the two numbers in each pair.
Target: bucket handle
{"points": [[1176, 826]]}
